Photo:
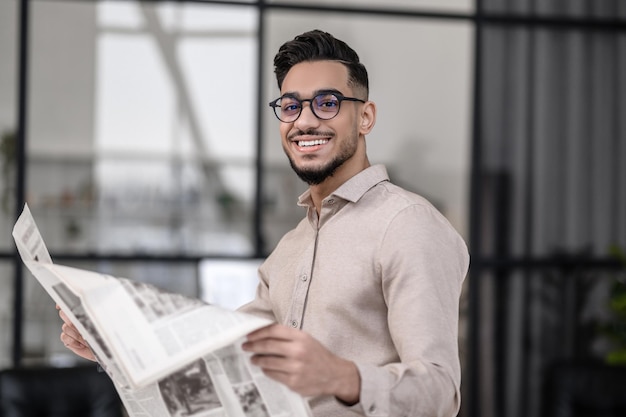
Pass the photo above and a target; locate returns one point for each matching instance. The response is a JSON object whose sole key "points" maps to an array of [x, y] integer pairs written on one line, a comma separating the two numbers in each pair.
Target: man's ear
{"points": [[368, 117]]}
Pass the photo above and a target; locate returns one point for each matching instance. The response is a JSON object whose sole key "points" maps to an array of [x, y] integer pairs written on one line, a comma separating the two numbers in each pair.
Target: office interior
{"points": [[138, 132]]}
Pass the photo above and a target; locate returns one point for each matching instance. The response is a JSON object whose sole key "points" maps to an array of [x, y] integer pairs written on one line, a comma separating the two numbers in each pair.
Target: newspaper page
{"points": [[222, 383], [167, 354], [149, 331]]}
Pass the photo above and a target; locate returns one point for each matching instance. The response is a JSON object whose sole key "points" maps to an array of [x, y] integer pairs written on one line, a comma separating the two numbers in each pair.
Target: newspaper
{"points": [[167, 354]]}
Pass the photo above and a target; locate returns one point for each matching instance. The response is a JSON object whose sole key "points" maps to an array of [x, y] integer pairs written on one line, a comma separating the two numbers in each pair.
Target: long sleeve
{"points": [[423, 263]]}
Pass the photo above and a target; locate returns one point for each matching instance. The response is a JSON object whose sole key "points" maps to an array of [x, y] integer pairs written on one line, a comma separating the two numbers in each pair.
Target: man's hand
{"points": [[297, 360], [72, 339]]}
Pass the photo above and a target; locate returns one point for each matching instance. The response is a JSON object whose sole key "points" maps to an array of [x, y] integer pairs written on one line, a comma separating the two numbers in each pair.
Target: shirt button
{"points": [[372, 408], [303, 277], [294, 323], [331, 201]]}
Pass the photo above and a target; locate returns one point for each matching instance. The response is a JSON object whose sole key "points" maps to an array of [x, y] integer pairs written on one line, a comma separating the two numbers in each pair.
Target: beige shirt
{"points": [[376, 279]]}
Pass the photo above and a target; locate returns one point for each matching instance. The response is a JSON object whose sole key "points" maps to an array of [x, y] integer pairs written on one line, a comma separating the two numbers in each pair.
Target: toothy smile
{"points": [[304, 143]]}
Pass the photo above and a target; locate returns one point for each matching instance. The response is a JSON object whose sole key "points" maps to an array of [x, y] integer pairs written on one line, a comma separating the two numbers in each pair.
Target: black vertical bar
{"points": [[615, 162], [259, 241], [620, 145], [498, 217], [502, 239], [472, 395], [528, 219], [20, 174]]}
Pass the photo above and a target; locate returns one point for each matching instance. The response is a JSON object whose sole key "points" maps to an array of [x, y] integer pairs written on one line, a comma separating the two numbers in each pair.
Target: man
{"points": [[365, 290]]}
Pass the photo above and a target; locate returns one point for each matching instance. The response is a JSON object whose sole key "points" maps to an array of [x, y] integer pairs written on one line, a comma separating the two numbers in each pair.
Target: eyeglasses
{"points": [[324, 106]]}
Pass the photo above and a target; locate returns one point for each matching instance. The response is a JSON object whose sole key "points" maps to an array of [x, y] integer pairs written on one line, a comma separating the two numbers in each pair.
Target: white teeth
{"points": [[303, 143]]}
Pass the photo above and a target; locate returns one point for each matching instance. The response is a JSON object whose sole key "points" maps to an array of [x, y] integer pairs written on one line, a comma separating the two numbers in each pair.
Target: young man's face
{"points": [[318, 149]]}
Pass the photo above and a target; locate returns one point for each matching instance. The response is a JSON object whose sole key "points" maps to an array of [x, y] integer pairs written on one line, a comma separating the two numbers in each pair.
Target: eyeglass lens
{"points": [[324, 106]]}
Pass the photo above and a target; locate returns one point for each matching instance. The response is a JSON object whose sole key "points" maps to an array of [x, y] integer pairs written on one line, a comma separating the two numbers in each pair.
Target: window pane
{"points": [[145, 143], [456, 6], [6, 312], [423, 124], [607, 9], [228, 283], [8, 117]]}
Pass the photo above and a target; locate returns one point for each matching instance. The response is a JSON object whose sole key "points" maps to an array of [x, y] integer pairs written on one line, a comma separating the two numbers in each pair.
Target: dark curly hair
{"points": [[317, 45]]}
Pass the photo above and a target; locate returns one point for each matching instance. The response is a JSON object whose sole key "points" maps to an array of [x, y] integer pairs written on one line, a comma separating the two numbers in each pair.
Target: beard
{"points": [[317, 175]]}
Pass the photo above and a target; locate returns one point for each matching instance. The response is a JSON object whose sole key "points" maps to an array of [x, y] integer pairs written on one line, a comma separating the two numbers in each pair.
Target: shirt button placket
{"points": [[302, 281]]}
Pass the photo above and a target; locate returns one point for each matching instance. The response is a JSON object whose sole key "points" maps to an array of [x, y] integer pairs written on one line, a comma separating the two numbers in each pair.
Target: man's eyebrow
{"points": [[290, 94], [295, 94], [328, 91]]}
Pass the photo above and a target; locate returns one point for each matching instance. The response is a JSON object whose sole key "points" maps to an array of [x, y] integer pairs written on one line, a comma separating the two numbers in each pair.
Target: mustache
{"points": [[311, 132]]}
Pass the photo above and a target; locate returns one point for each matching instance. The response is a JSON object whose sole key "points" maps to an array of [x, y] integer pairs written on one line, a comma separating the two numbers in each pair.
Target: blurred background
{"points": [[140, 136]]}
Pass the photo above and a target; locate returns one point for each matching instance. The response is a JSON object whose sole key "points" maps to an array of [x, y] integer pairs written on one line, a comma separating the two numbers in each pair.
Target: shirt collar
{"points": [[353, 189]]}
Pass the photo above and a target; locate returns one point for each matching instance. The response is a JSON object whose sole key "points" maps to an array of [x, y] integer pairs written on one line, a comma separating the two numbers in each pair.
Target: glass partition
{"points": [[6, 312], [451, 6], [8, 116], [142, 135], [607, 9], [142, 127], [228, 283]]}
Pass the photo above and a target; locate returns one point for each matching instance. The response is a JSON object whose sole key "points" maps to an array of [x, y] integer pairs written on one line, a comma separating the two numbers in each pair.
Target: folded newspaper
{"points": [[167, 354]]}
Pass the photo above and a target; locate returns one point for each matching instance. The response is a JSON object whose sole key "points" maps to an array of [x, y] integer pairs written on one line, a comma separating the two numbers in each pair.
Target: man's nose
{"points": [[307, 117]]}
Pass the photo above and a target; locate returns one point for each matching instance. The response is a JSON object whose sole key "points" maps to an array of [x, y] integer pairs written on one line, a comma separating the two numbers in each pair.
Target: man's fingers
{"points": [[267, 347], [74, 342], [70, 335], [71, 342], [72, 332], [69, 329], [268, 342], [72, 339], [64, 317], [269, 362], [273, 331]]}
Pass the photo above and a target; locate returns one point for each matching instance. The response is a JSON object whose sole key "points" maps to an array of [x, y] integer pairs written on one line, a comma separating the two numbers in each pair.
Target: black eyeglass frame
{"points": [[340, 97]]}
